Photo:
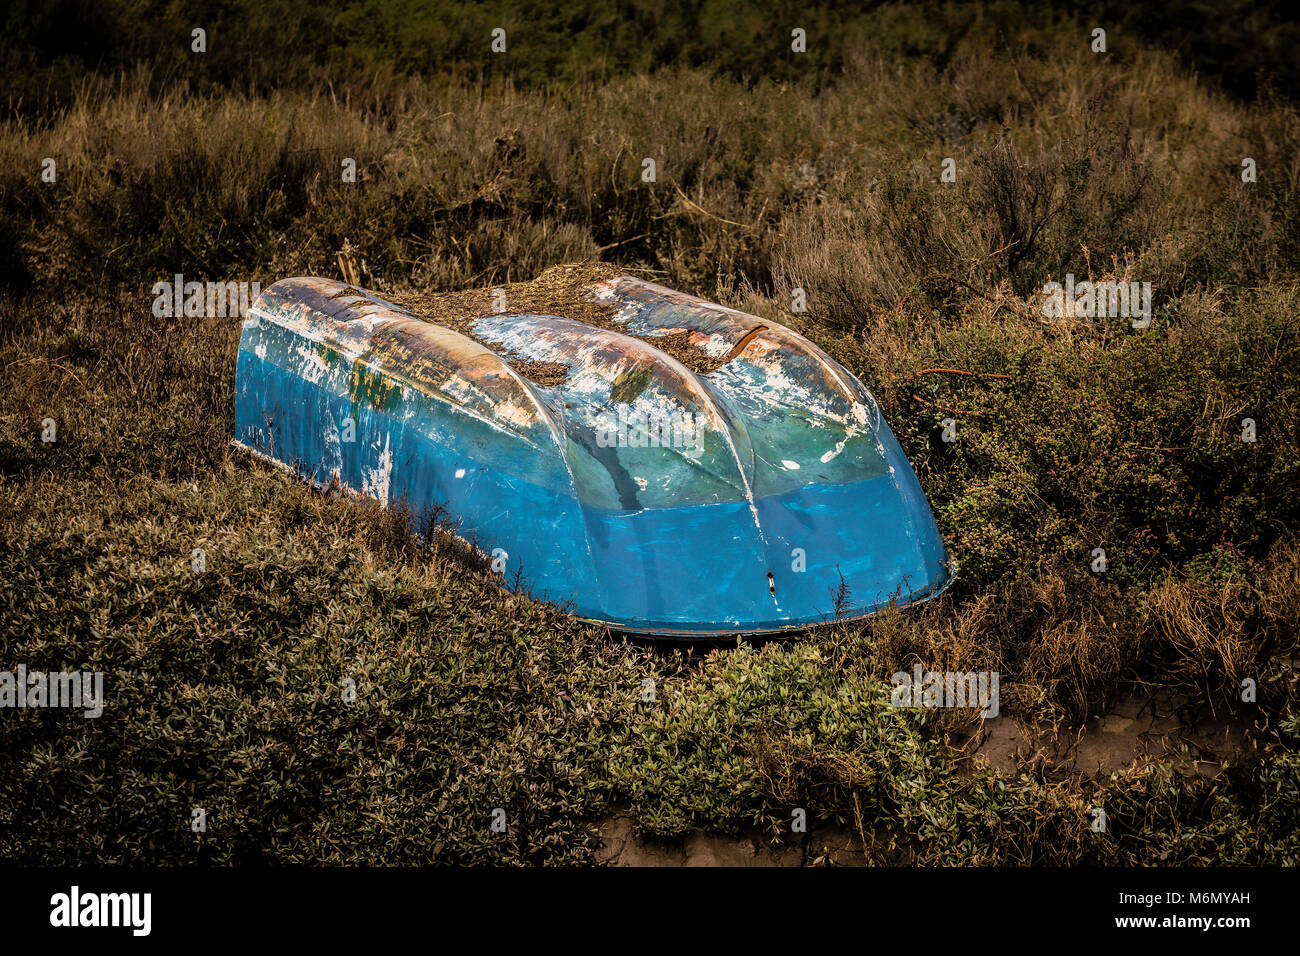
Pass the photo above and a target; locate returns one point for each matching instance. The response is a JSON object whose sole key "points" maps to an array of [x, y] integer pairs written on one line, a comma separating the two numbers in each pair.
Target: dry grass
{"points": [[1071, 436]]}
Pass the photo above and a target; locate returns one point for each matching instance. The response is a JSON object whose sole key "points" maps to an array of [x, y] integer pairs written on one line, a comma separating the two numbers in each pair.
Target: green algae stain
{"points": [[369, 387], [629, 385]]}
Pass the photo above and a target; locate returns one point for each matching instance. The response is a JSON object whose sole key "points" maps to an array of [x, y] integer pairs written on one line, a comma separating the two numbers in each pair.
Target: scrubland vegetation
{"points": [[1072, 434]]}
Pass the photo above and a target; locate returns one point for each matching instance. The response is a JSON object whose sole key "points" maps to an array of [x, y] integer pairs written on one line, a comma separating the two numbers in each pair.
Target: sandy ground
{"points": [[821, 846], [1139, 728]]}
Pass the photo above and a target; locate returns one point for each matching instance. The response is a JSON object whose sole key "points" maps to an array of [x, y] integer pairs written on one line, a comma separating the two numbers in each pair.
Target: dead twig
{"points": [[697, 207], [945, 408], [954, 371], [622, 242], [41, 358]]}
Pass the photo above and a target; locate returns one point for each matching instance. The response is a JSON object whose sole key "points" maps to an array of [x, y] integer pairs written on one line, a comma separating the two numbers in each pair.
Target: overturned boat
{"points": [[645, 458]]}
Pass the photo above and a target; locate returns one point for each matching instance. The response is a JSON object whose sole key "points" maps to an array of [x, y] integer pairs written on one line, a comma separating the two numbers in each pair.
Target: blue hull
{"points": [[716, 553]]}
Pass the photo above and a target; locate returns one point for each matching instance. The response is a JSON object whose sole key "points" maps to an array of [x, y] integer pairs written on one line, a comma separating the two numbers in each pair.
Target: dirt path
{"points": [[822, 846], [1141, 727]]}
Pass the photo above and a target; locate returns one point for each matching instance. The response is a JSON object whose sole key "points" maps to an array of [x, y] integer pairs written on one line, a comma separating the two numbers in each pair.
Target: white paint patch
{"points": [[716, 346], [789, 465], [867, 413], [507, 410], [839, 447], [460, 472], [514, 414], [313, 366], [333, 448], [377, 481], [603, 291], [462, 391]]}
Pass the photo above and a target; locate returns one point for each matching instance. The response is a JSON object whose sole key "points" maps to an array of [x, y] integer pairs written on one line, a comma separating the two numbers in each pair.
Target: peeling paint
{"points": [[378, 480]]}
